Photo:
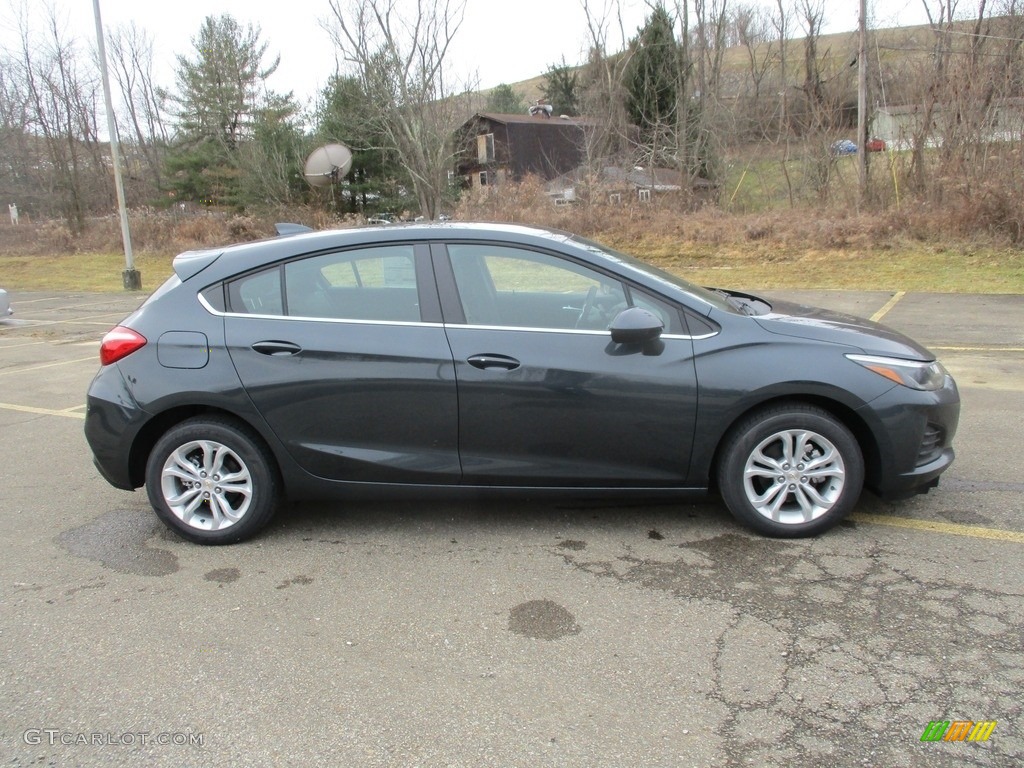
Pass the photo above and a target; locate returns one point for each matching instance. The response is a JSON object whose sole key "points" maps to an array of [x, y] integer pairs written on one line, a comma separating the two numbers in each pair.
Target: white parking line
{"points": [[49, 365], [69, 413], [66, 306], [22, 344], [82, 319]]}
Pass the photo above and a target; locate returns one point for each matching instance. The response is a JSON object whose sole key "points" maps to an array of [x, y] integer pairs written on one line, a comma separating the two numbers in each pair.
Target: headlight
{"points": [[910, 373]]}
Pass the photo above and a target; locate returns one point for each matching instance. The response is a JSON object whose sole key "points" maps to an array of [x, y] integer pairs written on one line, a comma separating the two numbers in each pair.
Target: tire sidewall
{"points": [[248, 449], [752, 431]]}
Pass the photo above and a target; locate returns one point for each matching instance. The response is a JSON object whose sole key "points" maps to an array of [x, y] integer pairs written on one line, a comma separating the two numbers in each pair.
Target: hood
{"points": [[788, 319]]}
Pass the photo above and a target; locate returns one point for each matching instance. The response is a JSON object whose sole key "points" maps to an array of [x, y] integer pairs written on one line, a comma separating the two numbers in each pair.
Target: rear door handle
{"points": [[493, 362], [276, 348]]}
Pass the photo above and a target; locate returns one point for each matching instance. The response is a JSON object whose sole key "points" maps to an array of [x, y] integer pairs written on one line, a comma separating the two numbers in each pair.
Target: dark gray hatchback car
{"points": [[472, 357]]}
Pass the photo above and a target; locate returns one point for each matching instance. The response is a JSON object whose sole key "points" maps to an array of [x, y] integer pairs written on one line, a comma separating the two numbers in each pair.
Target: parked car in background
{"points": [[5, 304], [875, 145], [843, 147], [473, 358]]}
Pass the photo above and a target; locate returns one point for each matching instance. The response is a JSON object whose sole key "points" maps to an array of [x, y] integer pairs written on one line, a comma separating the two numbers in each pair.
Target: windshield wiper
{"points": [[741, 305]]}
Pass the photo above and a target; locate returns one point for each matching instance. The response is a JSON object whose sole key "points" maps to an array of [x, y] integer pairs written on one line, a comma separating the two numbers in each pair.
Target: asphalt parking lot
{"points": [[509, 634]]}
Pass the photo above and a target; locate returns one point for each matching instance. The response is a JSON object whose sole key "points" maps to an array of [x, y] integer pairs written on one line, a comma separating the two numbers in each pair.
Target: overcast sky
{"points": [[499, 42]]}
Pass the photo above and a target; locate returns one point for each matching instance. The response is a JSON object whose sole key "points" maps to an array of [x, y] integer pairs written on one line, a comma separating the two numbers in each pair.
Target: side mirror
{"points": [[635, 326]]}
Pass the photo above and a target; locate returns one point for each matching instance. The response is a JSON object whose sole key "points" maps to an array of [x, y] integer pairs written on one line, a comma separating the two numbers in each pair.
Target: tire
{"points": [[804, 496], [212, 481]]}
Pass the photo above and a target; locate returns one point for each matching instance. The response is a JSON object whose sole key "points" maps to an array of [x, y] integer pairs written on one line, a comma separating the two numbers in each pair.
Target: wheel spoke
{"points": [[763, 464], [223, 513], [776, 504], [827, 458], [220, 511], [785, 442], [187, 494], [190, 508], [774, 495], [179, 461], [807, 506], [826, 472], [813, 494]]}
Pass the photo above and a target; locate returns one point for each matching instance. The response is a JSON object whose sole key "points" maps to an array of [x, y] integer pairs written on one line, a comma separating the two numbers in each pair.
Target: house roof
{"points": [[909, 109], [658, 179], [523, 119]]}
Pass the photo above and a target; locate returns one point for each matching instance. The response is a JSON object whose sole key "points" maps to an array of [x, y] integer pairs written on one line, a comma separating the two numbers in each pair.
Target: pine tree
{"points": [[561, 89], [653, 75], [221, 95]]}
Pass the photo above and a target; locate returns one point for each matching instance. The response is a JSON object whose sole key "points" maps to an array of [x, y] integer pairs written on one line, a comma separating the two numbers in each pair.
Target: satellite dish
{"points": [[327, 165]]}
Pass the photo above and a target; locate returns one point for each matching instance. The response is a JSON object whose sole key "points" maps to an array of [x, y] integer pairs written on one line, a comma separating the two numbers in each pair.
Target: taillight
{"points": [[120, 342]]}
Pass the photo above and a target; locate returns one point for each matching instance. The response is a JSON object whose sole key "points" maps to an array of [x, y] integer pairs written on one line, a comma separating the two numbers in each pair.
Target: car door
{"points": [[545, 397], [345, 356]]}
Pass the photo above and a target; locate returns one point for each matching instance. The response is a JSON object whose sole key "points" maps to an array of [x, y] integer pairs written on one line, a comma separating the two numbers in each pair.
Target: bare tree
{"points": [[812, 15], [601, 84], [709, 35], [781, 24], [400, 51], [60, 103], [968, 108], [754, 34], [131, 58]]}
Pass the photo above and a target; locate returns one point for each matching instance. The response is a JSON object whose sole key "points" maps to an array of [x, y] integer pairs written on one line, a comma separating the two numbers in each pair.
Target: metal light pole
{"points": [[862, 102], [131, 277]]}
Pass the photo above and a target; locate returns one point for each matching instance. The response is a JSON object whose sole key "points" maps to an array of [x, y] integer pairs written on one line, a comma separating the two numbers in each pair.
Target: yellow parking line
{"points": [[42, 411], [977, 349], [94, 358], [974, 531], [889, 305]]}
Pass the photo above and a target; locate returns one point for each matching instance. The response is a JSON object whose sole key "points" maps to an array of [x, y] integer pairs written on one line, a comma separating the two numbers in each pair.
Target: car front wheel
{"points": [[212, 481], [791, 471]]}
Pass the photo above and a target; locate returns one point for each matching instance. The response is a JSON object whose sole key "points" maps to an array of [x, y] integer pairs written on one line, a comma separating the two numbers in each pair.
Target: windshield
{"points": [[714, 298]]}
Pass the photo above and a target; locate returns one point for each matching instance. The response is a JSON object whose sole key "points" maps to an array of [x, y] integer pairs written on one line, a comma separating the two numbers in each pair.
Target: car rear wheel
{"points": [[212, 481], [791, 471]]}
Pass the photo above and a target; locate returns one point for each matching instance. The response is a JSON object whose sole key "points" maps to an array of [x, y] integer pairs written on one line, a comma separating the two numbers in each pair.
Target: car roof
{"points": [[243, 256]]}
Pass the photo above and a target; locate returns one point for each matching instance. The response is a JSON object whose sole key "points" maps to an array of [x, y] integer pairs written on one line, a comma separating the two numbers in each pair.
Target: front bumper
{"points": [[916, 447]]}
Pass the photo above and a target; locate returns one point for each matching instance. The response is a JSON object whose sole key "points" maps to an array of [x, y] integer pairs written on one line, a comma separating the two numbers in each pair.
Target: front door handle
{"points": [[276, 348], [493, 362]]}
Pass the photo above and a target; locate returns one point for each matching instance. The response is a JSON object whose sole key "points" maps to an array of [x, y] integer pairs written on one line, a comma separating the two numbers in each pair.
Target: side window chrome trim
{"points": [[576, 331]]}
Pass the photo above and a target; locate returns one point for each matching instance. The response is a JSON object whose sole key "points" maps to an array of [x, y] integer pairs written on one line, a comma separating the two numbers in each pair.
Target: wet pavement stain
{"points": [[118, 541], [542, 620], [575, 546], [301, 580], [223, 575]]}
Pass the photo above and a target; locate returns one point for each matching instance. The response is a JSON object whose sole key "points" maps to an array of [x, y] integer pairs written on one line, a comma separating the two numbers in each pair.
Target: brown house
{"points": [[496, 146]]}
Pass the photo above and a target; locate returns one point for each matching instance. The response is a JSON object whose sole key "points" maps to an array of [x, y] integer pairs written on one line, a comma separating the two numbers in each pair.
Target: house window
{"points": [[615, 198], [483, 178], [485, 148], [645, 195]]}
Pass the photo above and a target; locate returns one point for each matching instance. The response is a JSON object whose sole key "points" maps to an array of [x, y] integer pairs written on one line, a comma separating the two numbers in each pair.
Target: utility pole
{"points": [[862, 102], [131, 277]]}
